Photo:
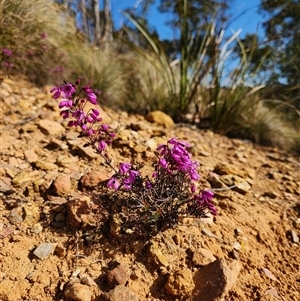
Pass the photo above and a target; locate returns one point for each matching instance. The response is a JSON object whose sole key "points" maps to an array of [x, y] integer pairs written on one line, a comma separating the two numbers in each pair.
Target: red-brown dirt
{"points": [[257, 226]]}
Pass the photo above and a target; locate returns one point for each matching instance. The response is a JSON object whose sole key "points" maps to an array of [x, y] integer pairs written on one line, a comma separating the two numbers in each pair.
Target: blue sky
{"points": [[249, 22]]}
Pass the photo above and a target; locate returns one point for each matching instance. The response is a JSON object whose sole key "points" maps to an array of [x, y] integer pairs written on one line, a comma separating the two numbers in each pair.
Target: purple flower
{"points": [[90, 95], [127, 184], [90, 132], [101, 146], [163, 163], [174, 141], [132, 175], [162, 149], [207, 195], [43, 35], [56, 91], [65, 114], [96, 112], [72, 123], [68, 90], [149, 185], [212, 209], [105, 127], [124, 168], [89, 119], [92, 98], [79, 115], [6, 51], [113, 183], [65, 103], [203, 201]]}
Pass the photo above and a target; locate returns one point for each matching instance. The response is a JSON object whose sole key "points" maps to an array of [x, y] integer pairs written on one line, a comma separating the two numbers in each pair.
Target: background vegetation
{"points": [[188, 77]]}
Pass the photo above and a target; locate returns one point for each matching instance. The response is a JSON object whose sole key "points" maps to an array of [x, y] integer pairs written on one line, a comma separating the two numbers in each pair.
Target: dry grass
{"points": [[36, 32], [266, 126], [146, 87], [103, 70]]}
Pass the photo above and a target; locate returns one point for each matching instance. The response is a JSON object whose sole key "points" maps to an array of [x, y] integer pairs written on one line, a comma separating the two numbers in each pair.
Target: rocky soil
{"points": [[52, 242]]}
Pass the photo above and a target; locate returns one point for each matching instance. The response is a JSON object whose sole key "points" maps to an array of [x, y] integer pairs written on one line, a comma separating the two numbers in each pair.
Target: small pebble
{"points": [[78, 292], [44, 250]]}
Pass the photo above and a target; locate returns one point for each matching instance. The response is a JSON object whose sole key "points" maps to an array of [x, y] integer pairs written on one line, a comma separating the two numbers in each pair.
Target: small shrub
{"points": [[157, 200]]}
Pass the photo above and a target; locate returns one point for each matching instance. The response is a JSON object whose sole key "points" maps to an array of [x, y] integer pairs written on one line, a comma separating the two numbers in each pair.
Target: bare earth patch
{"points": [[57, 243]]}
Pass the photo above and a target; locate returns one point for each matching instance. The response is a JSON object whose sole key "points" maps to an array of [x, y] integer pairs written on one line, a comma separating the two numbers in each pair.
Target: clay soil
{"points": [[257, 225]]}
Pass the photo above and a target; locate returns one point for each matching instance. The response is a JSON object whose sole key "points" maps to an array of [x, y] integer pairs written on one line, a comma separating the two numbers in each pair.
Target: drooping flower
{"points": [[65, 103], [163, 163], [68, 90], [90, 95], [101, 146], [56, 91], [124, 168], [132, 175], [6, 51], [65, 114], [113, 183], [207, 195], [105, 127], [96, 112], [43, 35], [79, 115], [148, 185], [162, 149]]}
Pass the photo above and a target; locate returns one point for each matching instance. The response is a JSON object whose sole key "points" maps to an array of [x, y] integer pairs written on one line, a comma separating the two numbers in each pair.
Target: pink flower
{"points": [[105, 127], [6, 51], [65, 103], [162, 149], [113, 183], [65, 114], [101, 146], [132, 175], [124, 168], [207, 195], [56, 91], [68, 90], [163, 163], [96, 112]]}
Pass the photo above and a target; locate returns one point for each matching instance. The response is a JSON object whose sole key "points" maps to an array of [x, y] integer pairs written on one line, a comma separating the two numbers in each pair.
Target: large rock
{"points": [[160, 118], [118, 275], [224, 168], [215, 280], [85, 212], [93, 179], [50, 127], [122, 293], [62, 185]]}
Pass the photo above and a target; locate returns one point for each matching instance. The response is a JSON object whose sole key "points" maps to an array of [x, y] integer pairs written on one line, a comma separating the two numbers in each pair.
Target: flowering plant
{"points": [[146, 201]]}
